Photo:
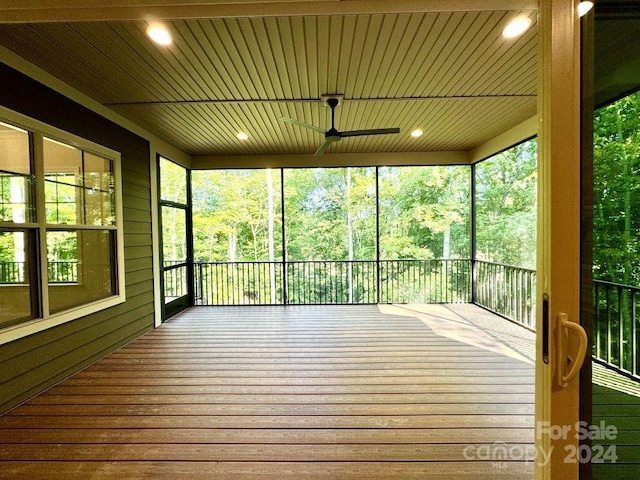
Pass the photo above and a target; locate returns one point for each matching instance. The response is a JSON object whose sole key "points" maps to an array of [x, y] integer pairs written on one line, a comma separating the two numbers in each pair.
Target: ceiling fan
{"points": [[332, 135]]}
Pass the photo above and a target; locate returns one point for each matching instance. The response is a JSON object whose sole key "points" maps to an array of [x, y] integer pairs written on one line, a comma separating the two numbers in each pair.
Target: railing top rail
{"points": [[425, 259], [531, 270], [332, 261], [617, 285]]}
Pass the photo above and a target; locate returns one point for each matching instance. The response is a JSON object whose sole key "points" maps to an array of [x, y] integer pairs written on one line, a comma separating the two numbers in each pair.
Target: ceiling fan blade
{"points": [[327, 141], [301, 124], [374, 131]]}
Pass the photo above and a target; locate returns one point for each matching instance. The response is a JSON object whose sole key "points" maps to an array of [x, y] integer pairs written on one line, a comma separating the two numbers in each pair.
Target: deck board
{"points": [[285, 392]]}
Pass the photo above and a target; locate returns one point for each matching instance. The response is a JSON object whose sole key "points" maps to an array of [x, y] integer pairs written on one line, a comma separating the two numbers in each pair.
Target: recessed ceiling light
{"points": [[159, 34], [516, 27], [416, 133], [242, 136], [584, 8]]}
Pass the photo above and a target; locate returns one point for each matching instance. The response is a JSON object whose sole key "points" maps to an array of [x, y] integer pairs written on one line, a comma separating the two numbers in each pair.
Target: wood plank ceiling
{"points": [[450, 74]]}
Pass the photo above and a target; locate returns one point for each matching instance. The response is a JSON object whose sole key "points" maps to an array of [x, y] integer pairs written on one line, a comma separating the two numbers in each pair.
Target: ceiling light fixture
{"points": [[584, 8], [159, 34], [242, 136], [516, 27], [416, 133]]}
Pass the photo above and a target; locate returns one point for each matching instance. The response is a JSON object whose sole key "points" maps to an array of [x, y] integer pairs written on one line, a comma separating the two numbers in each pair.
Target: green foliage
{"points": [[324, 208], [230, 215], [330, 213], [506, 207], [616, 164], [424, 212], [8, 251], [330, 217], [62, 246]]}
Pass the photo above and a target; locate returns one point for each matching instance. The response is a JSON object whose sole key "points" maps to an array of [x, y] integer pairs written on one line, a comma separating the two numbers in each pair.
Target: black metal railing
{"points": [[506, 290], [332, 282], [65, 271], [175, 279], [12, 272], [615, 325], [425, 281], [238, 283]]}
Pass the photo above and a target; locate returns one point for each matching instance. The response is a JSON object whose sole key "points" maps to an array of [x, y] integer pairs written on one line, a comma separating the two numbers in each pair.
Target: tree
{"points": [[616, 164], [330, 214], [506, 207], [235, 215], [424, 212]]}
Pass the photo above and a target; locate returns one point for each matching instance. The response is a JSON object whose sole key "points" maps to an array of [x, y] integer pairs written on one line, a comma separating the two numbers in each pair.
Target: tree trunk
{"points": [[271, 221], [233, 243], [349, 236], [626, 234], [625, 304], [446, 244]]}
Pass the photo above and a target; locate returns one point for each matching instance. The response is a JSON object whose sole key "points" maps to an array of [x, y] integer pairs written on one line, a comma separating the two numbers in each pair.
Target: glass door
{"points": [[175, 225], [612, 162]]}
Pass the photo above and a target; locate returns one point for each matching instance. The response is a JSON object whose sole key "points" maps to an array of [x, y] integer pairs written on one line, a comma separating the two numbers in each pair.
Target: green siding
{"points": [[32, 364]]}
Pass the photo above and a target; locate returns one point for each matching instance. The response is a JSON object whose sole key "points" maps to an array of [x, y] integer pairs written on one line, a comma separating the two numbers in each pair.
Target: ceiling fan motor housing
{"points": [[332, 100]]}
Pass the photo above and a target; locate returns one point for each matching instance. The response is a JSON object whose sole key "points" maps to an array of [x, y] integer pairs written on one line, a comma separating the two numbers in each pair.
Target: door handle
{"points": [[565, 326]]}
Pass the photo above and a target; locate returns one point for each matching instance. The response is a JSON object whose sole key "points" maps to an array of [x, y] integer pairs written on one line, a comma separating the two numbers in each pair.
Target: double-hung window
{"points": [[61, 239]]}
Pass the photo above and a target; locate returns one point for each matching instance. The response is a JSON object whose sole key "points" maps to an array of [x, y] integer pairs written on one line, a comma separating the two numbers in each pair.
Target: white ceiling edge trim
{"points": [[513, 136], [205, 162], [158, 145], [13, 11]]}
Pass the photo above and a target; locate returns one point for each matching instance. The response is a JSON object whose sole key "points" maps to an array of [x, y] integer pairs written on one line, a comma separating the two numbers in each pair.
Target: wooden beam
{"points": [[513, 136], [331, 160]]}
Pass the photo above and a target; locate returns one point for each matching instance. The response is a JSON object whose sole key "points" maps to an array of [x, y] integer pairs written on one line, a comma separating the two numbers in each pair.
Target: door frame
{"points": [[559, 261], [178, 304]]}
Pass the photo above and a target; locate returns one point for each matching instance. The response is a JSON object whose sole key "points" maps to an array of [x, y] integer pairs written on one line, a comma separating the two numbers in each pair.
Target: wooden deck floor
{"points": [[290, 392]]}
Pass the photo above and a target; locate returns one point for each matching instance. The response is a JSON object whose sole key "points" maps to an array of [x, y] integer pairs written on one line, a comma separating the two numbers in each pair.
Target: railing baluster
{"points": [[621, 315], [608, 309], [634, 335]]}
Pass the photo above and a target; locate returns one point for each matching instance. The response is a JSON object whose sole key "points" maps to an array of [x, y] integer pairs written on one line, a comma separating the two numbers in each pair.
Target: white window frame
{"points": [[40, 130]]}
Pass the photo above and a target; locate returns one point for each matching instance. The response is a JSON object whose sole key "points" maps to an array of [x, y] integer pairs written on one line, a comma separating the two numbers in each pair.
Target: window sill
{"points": [[21, 330]]}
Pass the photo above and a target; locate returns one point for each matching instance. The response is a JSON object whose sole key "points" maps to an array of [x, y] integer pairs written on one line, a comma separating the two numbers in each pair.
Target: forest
{"points": [[330, 213], [616, 165]]}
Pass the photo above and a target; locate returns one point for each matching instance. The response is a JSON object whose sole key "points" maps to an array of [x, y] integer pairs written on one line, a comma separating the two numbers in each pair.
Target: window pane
{"points": [[60, 199], [174, 235], [63, 170], [16, 180], [80, 267], [173, 182], [79, 188], [99, 191], [15, 288], [62, 257]]}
